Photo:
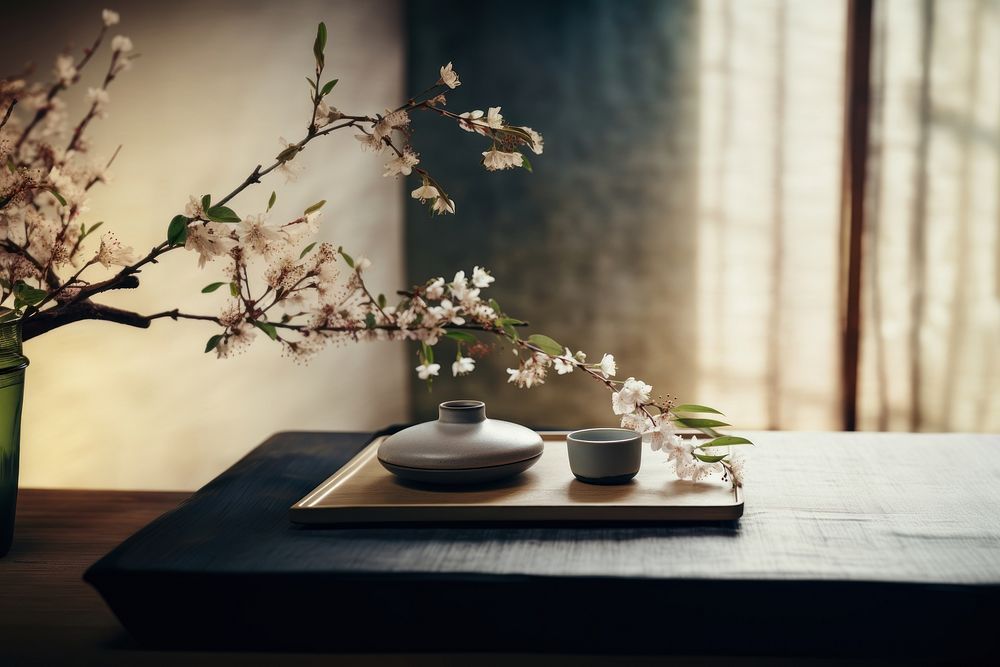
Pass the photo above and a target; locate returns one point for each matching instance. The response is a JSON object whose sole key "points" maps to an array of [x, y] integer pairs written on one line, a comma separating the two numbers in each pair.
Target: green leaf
{"points": [[221, 214], [693, 407], [206, 202], [727, 441], [709, 458], [381, 301], [59, 197], [177, 232], [207, 289], [270, 202], [495, 306], [427, 352], [315, 207], [268, 328], [27, 294], [305, 251], [320, 44], [525, 163], [510, 331], [370, 320], [87, 232], [328, 87], [347, 258], [312, 84], [693, 422], [513, 321], [212, 342], [234, 289], [462, 337], [545, 344]]}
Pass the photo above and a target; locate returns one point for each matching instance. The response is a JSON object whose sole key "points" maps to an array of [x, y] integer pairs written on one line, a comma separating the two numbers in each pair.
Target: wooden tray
{"points": [[363, 492]]}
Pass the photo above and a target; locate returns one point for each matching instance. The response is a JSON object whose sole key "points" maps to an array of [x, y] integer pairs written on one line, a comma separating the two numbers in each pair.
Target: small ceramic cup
{"points": [[604, 455]]}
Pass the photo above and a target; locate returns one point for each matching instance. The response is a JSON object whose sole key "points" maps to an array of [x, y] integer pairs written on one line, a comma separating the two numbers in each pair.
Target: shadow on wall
{"points": [[591, 248]]}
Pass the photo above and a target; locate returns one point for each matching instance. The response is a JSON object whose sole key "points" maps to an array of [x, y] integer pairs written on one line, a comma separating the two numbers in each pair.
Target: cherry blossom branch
{"points": [[10, 110], [58, 86], [96, 104], [85, 310]]}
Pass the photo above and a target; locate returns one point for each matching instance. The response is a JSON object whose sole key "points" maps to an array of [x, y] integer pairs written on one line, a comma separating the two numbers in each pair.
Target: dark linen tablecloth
{"points": [[851, 544]]}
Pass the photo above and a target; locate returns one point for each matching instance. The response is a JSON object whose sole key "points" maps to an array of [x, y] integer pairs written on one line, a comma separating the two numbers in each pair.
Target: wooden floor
{"points": [[48, 616]]}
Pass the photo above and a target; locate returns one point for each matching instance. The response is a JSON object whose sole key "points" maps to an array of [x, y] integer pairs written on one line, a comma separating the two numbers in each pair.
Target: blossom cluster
{"points": [[48, 172], [281, 284]]}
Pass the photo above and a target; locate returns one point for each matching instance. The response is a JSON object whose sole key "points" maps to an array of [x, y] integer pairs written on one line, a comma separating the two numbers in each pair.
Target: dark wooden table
{"points": [[849, 543], [49, 616]]}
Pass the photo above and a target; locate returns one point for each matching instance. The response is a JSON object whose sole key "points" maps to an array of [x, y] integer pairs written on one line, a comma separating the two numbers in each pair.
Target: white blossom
{"points": [[237, 340], [634, 422], [435, 289], [631, 394], [325, 114], [463, 366], [426, 371], [100, 99], [284, 273], [459, 286], [681, 452], [405, 318], [110, 17], [703, 470], [447, 312], [737, 466], [483, 312], [443, 205], [193, 209], [302, 227], [209, 240], [65, 69], [121, 44], [530, 373], [661, 433], [493, 118], [471, 121], [370, 142], [401, 165], [481, 277], [608, 366], [113, 253], [260, 237], [537, 142], [392, 120], [564, 364], [449, 77], [495, 160], [425, 192]]}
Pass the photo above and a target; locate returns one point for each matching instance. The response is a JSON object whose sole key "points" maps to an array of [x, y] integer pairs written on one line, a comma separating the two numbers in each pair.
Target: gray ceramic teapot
{"points": [[461, 447]]}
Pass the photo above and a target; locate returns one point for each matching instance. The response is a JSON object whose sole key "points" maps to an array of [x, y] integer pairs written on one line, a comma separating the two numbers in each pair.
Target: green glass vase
{"points": [[12, 365]]}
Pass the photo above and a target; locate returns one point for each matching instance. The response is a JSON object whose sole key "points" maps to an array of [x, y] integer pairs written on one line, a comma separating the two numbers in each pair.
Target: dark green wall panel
{"points": [[596, 247]]}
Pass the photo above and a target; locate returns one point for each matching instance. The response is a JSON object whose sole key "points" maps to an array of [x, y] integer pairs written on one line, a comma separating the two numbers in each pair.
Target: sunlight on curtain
{"points": [[771, 100], [932, 293]]}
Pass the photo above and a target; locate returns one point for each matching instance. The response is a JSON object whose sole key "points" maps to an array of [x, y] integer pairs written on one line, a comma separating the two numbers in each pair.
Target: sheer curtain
{"points": [[772, 96], [770, 152], [932, 287]]}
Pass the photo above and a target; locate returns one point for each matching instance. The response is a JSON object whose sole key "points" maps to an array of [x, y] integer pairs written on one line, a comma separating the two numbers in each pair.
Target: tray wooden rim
{"points": [[304, 512]]}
